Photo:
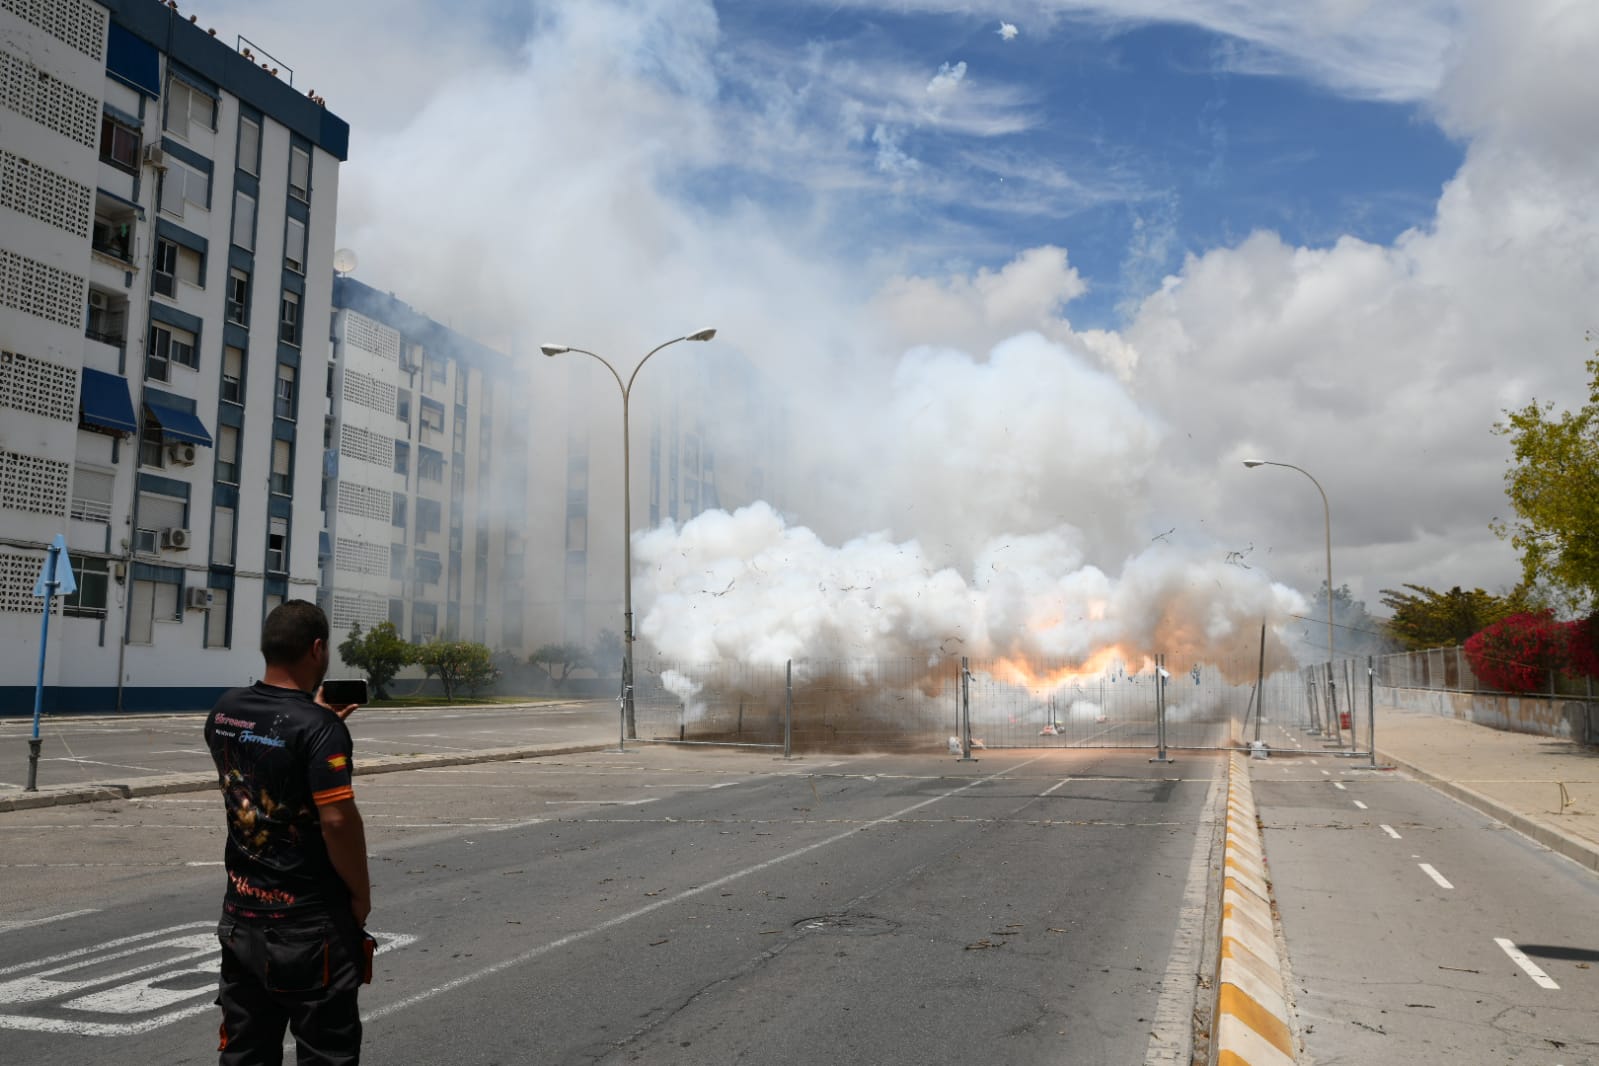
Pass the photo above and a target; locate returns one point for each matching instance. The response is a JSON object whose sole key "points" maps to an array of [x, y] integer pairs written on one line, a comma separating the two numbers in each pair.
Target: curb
{"points": [[166, 784], [1252, 1017], [1583, 852]]}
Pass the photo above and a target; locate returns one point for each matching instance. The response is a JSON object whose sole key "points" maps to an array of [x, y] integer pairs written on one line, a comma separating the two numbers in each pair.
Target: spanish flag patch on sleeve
{"points": [[338, 762]]}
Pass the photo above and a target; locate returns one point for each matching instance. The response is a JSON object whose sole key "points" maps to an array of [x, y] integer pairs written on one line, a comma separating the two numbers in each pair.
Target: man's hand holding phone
{"points": [[342, 695]]}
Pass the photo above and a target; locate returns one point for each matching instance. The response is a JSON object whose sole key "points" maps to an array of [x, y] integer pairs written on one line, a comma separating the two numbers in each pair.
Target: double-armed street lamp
{"points": [[630, 725]]}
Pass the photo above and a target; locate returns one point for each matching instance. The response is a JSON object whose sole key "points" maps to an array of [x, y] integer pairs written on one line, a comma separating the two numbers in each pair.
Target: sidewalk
{"points": [[1514, 777], [15, 799]]}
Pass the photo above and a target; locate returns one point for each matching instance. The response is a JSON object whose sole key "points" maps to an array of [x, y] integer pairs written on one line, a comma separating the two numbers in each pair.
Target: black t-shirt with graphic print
{"points": [[279, 756]]}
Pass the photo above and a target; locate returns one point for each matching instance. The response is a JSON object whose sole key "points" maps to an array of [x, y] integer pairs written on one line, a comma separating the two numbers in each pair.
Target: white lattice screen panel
{"points": [[77, 22], [41, 193], [353, 610], [363, 444], [363, 501], [368, 391], [32, 483], [359, 557], [372, 337], [18, 574], [49, 101], [37, 288], [38, 387]]}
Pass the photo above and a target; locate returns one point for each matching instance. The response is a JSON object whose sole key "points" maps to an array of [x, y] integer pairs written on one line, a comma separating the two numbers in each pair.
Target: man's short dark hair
{"points": [[290, 630]]}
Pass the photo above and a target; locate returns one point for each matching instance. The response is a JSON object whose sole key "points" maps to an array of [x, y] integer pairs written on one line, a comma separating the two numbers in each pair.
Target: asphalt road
{"points": [[667, 905], [1404, 913], [89, 750]]}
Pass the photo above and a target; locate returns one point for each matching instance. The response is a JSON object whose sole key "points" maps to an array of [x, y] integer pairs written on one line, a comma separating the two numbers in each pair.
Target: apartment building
{"points": [[167, 207]]}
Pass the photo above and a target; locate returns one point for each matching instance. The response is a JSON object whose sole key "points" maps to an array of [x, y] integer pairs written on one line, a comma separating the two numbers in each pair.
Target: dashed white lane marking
{"points": [[1361, 805], [1392, 832], [667, 901], [25, 923], [1053, 787], [726, 784], [599, 803], [1517, 956], [1443, 882], [1339, 785], [1327, 772]]}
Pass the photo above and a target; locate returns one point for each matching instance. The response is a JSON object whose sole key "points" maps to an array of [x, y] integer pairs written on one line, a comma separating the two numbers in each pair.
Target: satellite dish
{"points": [[343, 261]]}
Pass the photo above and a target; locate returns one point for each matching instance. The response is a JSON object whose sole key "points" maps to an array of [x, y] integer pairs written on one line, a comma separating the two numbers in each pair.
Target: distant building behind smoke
{"points": [[166, 210]]}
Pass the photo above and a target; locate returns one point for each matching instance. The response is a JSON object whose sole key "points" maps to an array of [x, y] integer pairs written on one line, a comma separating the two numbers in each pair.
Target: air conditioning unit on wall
{"points": [[156, 156], [175, 539], [197, 599], [182, 453]]}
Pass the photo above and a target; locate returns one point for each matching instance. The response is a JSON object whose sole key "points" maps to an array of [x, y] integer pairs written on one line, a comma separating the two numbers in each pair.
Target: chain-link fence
{"points": [[875, 704], [1449, 670]]}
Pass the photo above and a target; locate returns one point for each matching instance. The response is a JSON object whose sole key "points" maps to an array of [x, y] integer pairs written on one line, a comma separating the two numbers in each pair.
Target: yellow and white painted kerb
{"points": [[1251, 996]]}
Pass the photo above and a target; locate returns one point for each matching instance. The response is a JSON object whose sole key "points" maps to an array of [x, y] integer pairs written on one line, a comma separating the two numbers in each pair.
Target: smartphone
{"points": [[340, 692]]}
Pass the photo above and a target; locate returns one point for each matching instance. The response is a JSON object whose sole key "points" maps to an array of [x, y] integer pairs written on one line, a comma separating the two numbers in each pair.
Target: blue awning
{"points": [[104, 402], [176, 424]]}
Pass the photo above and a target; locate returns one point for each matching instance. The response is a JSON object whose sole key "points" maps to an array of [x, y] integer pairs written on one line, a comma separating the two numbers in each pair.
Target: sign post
{"points": [[54, 579]]}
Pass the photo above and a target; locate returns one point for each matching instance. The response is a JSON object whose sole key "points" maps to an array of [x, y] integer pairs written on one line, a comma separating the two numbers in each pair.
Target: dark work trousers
{"points": [[301, 973]]}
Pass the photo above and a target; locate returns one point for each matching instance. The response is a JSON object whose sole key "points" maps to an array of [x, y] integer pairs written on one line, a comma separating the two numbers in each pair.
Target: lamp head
{"points": [[553, 349], [1252, 463], [701, 335]]}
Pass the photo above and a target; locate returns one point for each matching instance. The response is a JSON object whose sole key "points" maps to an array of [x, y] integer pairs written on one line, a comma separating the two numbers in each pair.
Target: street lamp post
{"points": [[630, 724], [1326, 510]]}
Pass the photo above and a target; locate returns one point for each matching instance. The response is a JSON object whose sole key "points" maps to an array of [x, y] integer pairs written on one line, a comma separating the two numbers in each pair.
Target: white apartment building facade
{"points": [[167, 209]]}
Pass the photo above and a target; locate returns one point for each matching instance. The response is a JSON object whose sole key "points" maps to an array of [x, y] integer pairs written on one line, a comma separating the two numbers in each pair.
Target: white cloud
{"points": [[1007, 31], [947, 80]]}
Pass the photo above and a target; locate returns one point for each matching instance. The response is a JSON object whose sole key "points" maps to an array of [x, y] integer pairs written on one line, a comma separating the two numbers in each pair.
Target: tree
{"points": [[607, 650], [562, 657], [1553, 486], [1426, 618], [1519, 652], [380, 654], [457, 663]]}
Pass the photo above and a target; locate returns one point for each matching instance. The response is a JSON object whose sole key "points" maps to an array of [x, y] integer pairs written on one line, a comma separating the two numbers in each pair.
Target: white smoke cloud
{"points": [[1007, 31]]}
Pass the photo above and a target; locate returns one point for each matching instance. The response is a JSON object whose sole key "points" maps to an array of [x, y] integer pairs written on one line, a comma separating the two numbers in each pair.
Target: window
{"points": [[270, 602], [429, 465], [460, 431], [428, 569], [168, 345], [187, 107], [249, 146], [328, 427], [397, 561], [222, 536], [402, 405], [175, 263], [152, 446], [438, 370], [233, 374], [244, 220], [238, 296], [289, 319], [398, 513], [402, 457], [428, 516], [460, 387], [285, 391], [155, 514], [113, 237], [294, 246], [331, 366], [299, 173], [432, 419], [150, 602], [227, 449], [182, 184], [424, 621], [277, 560], [119, 145], [282, 482], [90, 599], [108, 318], [91, 494], [216, 619]]}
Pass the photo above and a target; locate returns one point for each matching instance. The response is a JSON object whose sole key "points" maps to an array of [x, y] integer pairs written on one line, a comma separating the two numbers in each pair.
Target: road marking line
{"points": [[6, 927], [650, 908], [1443, 882], [599, 803], [1327, 772], [1171, 1031], [1053, 787], [1541, 979], [1361, 805], [1339, 785], [726, 784], [1392, 832]]}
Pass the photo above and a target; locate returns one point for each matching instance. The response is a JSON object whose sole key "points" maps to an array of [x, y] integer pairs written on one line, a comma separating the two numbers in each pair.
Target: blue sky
{"points": [[1342, 235]]}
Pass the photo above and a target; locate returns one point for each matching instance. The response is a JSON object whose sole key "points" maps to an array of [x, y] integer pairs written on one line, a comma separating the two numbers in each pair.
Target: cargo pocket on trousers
{"points": [[296, 965]]}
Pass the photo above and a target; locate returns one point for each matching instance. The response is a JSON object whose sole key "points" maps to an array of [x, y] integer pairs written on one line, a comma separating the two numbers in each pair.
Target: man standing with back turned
{"points": [[294, 952]]}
